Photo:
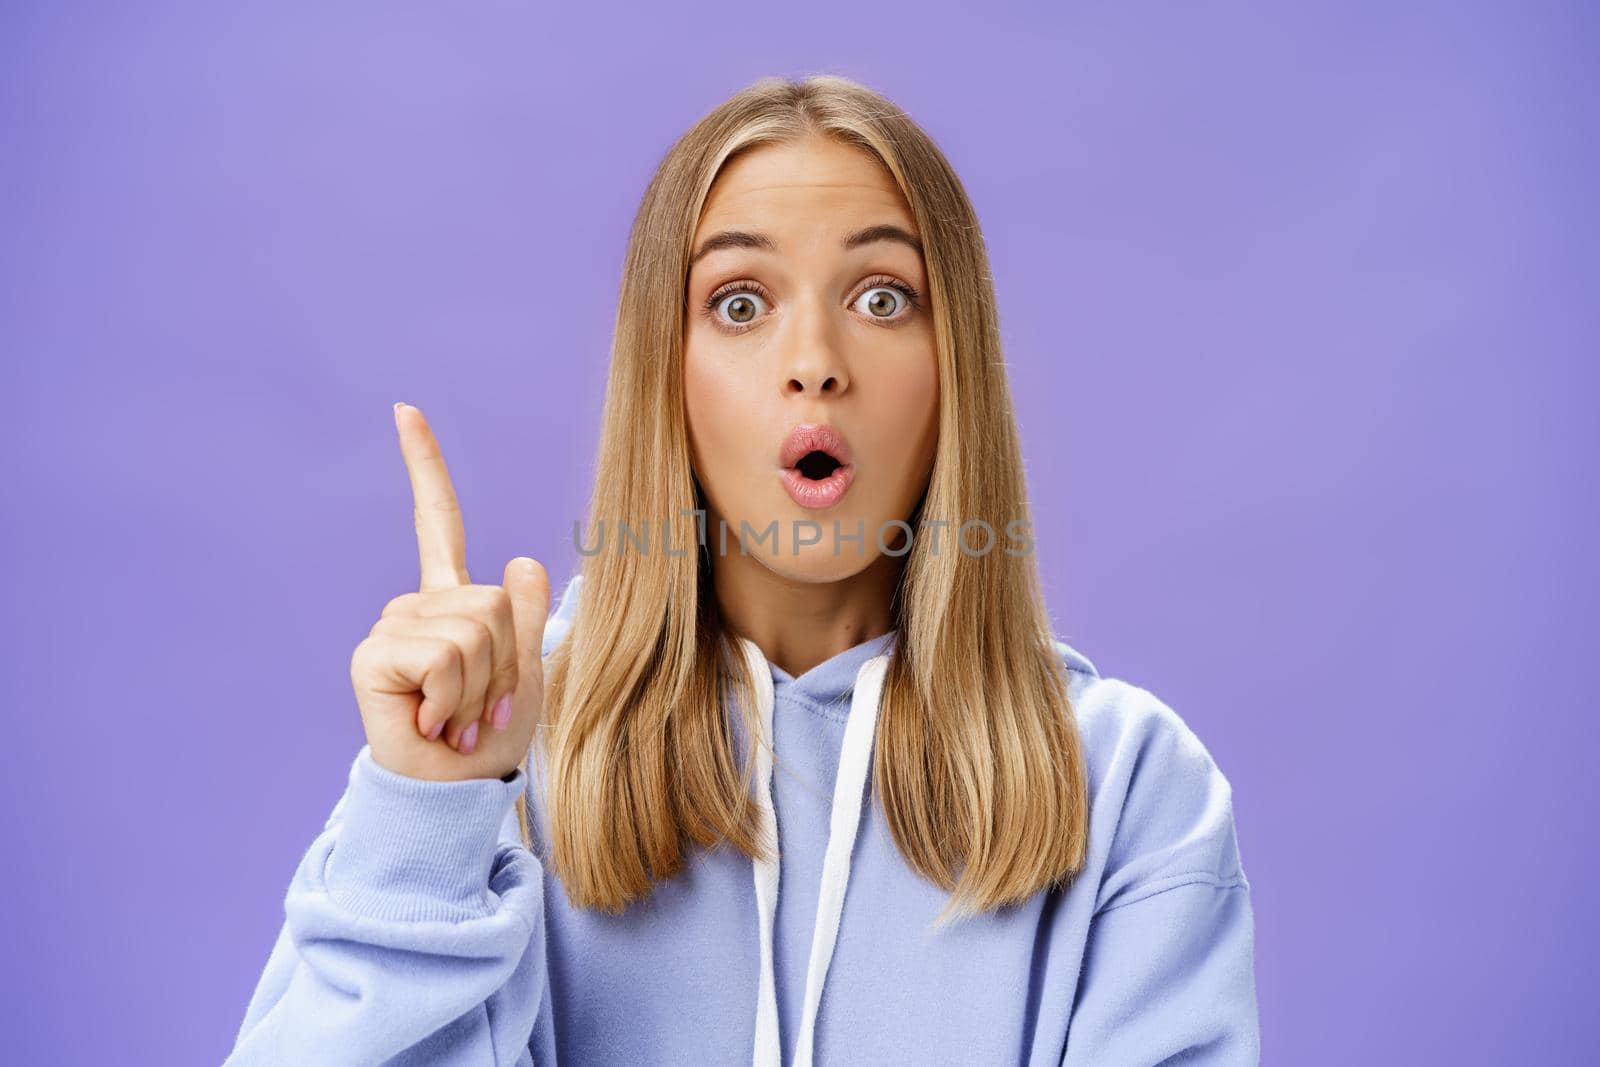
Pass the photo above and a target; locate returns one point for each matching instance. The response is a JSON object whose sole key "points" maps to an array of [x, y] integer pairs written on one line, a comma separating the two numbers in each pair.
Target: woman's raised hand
{"points": [[450, 681]]}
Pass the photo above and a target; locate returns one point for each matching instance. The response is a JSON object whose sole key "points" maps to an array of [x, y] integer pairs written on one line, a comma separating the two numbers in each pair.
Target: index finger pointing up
{"points": [[441, 537]]}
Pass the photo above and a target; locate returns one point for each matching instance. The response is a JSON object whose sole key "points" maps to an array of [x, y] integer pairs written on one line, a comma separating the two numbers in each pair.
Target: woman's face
{"points": [[799, 314]]}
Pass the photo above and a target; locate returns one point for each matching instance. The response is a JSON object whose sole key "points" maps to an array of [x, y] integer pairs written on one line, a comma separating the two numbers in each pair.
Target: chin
{"points": [[817, 564]]}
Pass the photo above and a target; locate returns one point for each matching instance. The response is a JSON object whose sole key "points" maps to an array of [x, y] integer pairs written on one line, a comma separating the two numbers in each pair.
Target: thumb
{"points": [[529, 588]]}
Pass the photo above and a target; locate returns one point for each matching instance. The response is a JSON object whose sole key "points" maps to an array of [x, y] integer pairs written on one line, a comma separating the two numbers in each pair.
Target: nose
{"points": [[814, 364], [815, 381]]}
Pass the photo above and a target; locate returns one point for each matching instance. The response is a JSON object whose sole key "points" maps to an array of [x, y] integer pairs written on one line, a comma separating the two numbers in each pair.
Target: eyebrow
{"points": [[760, 241]]}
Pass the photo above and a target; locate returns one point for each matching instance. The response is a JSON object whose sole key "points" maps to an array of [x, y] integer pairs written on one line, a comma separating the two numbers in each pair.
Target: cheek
{"points": [[699, 389], [912, 424], [714, 401]]}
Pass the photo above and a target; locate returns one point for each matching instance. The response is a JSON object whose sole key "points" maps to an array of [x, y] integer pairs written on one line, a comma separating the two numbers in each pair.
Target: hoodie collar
{"points": [[829, 684]]}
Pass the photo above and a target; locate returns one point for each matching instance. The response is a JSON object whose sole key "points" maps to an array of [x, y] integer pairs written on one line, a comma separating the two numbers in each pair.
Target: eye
{"points": [[736, 305], [887, 299]]}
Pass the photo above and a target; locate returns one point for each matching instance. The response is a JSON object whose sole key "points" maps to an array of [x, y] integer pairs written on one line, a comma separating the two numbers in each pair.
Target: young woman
{"points": [[807, 776]]}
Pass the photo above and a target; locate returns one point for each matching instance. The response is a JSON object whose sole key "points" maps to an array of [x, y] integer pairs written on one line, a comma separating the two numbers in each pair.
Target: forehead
{"points": [[763, 185]]}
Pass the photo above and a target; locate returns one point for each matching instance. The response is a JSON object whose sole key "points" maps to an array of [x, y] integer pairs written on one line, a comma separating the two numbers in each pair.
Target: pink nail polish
{"points": [[469, 739], [501, 716]]}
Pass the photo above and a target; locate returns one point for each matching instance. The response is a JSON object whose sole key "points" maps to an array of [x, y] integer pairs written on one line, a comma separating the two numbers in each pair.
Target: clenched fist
{"points": [[450, 681]]}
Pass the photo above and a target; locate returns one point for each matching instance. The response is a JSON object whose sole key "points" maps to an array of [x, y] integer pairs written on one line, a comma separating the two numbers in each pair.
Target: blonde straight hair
{"points": [[978, 763]]}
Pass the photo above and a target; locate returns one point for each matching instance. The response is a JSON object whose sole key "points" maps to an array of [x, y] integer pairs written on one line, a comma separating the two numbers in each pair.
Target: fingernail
{"points": [[437, 730], [501, 716], [469, 739]]}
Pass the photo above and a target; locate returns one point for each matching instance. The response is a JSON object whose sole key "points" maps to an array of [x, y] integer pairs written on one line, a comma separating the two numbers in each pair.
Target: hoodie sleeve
{"points": [[413, 933], [1168, 972], [1168, 978]]}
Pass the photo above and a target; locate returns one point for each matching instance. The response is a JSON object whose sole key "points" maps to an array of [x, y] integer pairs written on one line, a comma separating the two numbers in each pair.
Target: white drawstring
{"points": [[767, 1052], [849, 788]]}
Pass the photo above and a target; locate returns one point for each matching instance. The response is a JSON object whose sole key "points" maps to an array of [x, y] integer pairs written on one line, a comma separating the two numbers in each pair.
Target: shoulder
{"points": [[1161, 809]]}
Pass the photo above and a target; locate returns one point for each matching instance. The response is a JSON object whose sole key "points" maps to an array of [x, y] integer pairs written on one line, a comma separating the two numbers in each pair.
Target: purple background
{"points": [[1301, 314]]}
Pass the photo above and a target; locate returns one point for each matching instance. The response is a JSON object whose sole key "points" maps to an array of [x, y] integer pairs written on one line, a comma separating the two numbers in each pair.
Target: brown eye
{"points": [[884, 301], [735, 306], [741, 308]]}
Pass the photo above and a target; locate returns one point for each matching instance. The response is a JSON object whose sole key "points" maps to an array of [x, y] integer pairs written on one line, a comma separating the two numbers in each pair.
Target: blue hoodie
{"points": [[419, 930]]}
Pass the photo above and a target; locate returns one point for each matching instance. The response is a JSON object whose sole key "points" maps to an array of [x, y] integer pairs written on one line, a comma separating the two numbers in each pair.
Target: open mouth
{"points": [[817, 465]]}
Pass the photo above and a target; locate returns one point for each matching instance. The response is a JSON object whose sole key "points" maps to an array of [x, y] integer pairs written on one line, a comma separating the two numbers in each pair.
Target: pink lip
{"points": [[817, 494], [815, 437]]}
